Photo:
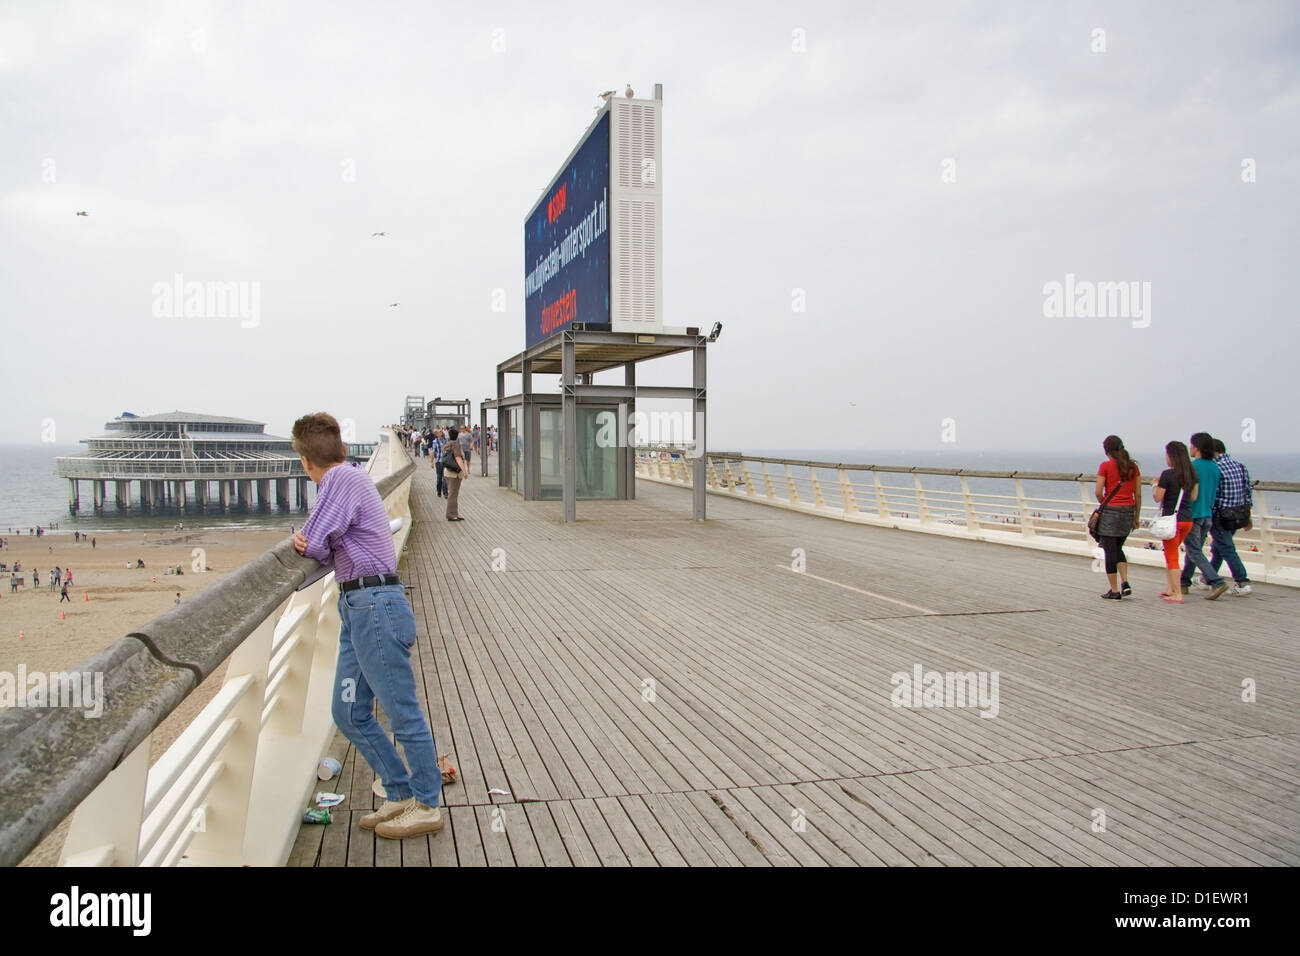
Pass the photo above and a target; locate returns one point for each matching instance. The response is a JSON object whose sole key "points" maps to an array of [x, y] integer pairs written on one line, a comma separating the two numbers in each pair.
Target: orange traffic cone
{"points": [[86, 596], [62, 616], [22, 635]]}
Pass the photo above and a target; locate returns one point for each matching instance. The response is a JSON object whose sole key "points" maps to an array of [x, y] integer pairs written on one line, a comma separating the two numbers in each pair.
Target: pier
{"points": [[642, 688], [178, 458], [650, 690]]}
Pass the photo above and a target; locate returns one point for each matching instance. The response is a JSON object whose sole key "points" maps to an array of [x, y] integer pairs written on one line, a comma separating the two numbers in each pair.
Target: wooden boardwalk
{"points": [[652, 691]]}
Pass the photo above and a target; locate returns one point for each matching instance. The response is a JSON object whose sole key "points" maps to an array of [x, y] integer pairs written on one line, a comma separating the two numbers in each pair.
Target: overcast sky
{"points": [[806, 151]]}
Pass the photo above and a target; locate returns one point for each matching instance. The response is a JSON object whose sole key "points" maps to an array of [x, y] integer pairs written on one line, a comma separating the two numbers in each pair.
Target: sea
{"points": [[31, 494]]}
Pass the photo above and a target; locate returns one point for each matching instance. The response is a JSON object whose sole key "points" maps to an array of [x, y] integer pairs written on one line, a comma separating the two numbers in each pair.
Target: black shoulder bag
{"points": [[1094, 519]]}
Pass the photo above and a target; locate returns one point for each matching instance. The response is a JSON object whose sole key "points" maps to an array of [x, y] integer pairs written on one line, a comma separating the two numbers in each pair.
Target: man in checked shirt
{"points": [[349, 528]]}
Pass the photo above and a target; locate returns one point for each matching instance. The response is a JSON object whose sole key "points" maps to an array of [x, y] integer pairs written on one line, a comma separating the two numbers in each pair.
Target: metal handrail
{"points": [[836, 490]]}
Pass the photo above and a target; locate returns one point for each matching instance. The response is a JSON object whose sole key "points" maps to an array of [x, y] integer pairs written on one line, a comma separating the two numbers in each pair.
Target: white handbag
{"points": [[1166, 526]]}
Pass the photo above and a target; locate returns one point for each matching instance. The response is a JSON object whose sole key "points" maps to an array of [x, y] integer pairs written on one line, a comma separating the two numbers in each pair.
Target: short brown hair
{"points": [[316, 437]]}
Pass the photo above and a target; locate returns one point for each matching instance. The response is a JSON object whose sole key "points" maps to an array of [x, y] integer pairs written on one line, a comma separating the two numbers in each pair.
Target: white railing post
{"points": [[1088, 496], [219, 839], [849, 502], [1268, 543], [922, 508], [972, 519], [1026, 520], [790, 488], [882, 503], [818, 501], [105, 830], [731, 479], [749, 482], [767, 480]]}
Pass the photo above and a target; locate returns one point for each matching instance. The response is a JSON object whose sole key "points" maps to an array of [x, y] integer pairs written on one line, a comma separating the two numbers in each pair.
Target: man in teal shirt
{"points": [[1207, 474]]}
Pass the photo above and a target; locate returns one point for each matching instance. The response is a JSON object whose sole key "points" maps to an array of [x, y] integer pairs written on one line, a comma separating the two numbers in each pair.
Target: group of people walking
{"points": [[1206, 490], [60, 580]]}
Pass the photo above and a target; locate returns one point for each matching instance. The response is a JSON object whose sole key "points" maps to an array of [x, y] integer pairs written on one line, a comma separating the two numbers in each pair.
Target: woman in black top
{"points": [[1179, 479]]}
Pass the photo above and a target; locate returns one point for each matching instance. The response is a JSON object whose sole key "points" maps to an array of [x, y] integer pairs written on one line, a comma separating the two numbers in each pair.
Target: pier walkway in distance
{"points": [[654, 691]]}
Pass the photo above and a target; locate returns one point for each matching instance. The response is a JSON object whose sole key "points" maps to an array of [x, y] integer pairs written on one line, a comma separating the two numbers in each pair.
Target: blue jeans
{"points": [[1196, 559], [1223, 549], [375, 641], [440, 486]]}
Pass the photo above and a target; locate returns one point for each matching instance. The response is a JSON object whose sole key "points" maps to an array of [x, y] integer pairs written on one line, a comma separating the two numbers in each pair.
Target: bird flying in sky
{"points": [[83, 213], [373, 234], [392, 305]]}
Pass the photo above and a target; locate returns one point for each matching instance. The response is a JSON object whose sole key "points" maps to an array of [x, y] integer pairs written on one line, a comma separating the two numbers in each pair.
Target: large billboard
{"points": [[566, 243]]}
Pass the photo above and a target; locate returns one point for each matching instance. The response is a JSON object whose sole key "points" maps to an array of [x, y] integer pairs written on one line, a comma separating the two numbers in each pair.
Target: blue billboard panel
{"points": [[566, 244]]}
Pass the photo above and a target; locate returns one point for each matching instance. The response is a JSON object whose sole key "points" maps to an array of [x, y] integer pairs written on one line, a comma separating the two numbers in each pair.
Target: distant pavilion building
{"points": [[179, 457]]}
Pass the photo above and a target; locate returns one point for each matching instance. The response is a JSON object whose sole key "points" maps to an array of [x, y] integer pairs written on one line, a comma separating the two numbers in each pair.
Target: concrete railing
{"points": [[1044, 510], [232, 787]]}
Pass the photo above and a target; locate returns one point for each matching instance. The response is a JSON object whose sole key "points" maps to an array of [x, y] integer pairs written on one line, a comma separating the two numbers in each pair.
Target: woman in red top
{"points": [[1120, 516]]}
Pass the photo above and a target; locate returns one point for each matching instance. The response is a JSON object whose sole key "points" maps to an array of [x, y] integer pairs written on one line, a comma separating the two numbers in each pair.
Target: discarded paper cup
{"points": [[328, 768]]}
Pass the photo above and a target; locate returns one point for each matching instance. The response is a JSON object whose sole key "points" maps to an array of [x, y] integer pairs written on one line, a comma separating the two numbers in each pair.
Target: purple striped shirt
{"points": [[348, 527]]}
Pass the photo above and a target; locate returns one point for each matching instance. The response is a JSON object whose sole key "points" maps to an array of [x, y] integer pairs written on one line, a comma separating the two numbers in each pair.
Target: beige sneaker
{"points": [[415, 820], [388, 811]]}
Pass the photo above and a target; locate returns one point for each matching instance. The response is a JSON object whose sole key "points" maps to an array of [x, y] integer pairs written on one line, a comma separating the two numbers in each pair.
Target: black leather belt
{"points": [[370, 581]]}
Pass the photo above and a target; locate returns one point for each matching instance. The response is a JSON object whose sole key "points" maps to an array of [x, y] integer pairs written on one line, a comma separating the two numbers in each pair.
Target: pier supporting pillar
{"points": [[225, 495], [97, 487], [146, 494], [201, 494], [263, 493], [699, 477], [569, 424], [625, 426], [180, 495], [119, 494], [74, 496], [302, 494], [244, 491], [281, 492]]}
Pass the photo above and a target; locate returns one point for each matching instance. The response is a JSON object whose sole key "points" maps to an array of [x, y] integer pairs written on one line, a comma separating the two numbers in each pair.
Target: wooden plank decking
{"points": [[652, 691]]}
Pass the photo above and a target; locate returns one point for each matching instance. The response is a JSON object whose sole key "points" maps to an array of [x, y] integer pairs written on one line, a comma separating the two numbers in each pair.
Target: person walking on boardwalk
{"points": [[1207, 476], [1232, 507], [455, 469], [1119, 490], [435, 462], [348, 527], [465, 444], [1176, 489]]}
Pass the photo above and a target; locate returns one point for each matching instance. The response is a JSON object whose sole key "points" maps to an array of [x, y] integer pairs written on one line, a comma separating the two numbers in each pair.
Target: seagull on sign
{"points": [[373, 234], [628, 92], [83, 213], [606, 95]]}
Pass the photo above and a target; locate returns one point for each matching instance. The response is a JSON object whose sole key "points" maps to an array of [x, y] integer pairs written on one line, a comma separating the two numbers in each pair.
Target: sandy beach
{"points": [[109, 600]]}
